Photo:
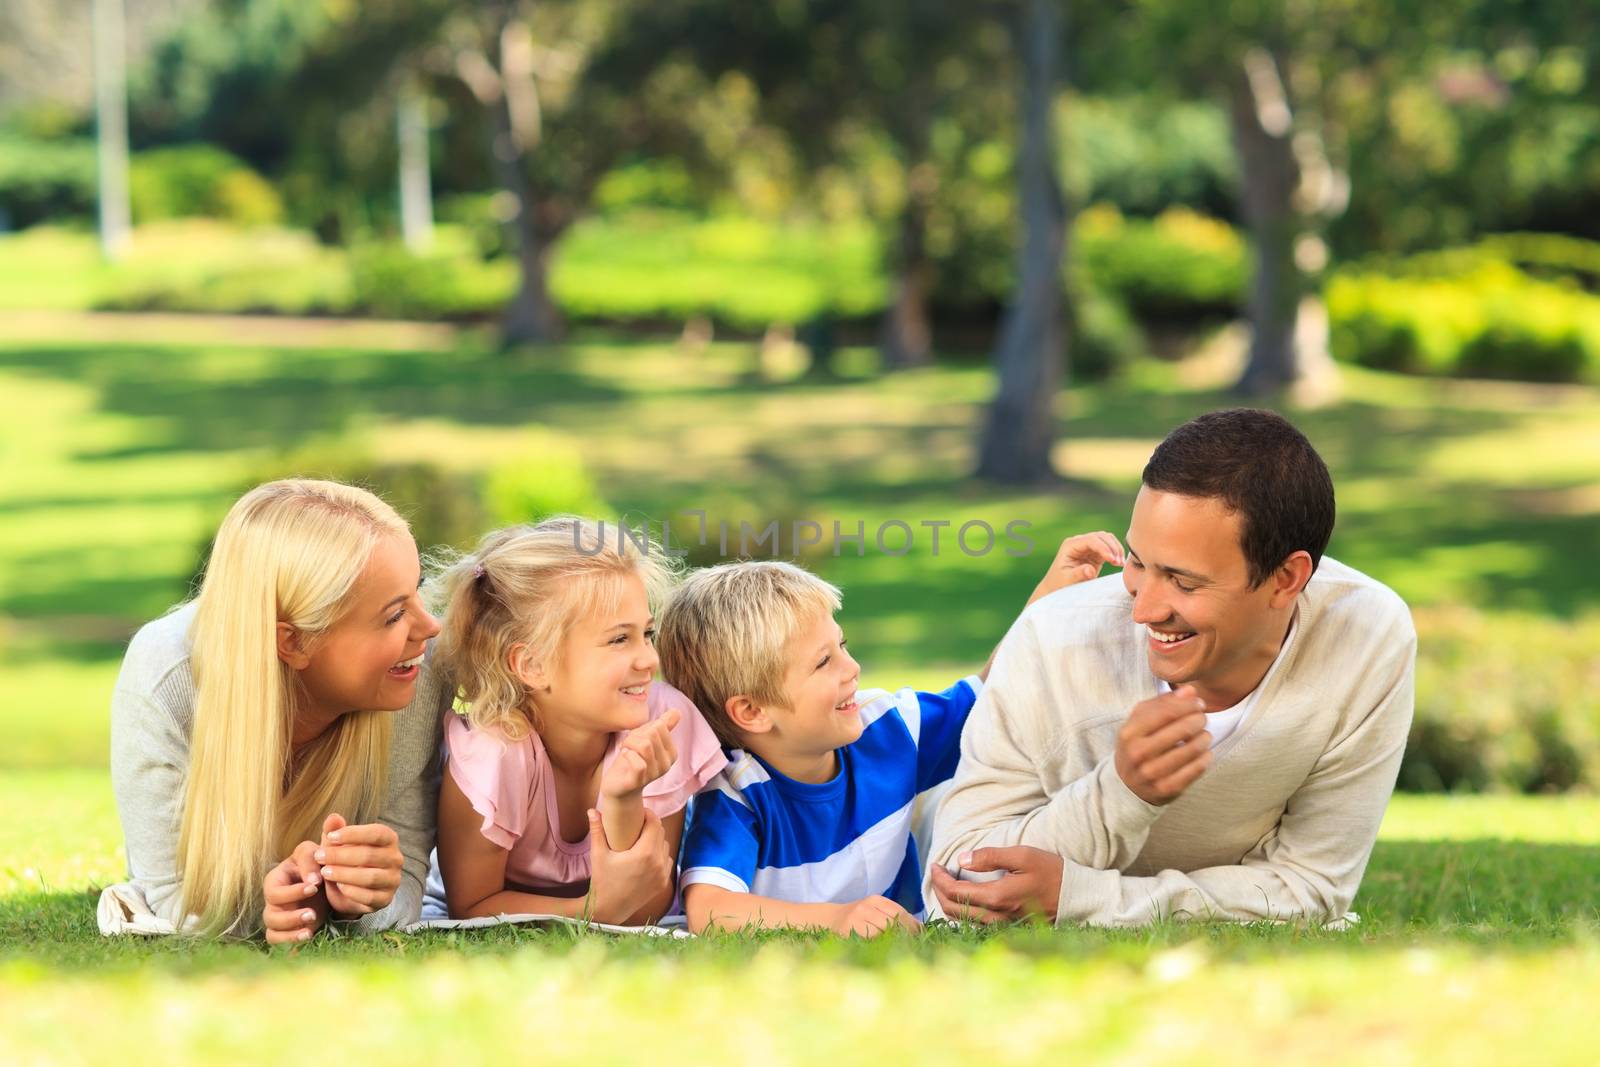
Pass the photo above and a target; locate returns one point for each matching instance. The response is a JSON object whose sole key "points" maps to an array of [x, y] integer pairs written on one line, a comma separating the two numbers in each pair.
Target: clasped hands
{"points": [[352, 871]]}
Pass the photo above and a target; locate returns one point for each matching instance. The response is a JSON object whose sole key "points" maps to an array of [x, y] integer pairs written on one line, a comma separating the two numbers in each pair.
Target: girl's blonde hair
{"points": [[288, 551], [529, 585]]}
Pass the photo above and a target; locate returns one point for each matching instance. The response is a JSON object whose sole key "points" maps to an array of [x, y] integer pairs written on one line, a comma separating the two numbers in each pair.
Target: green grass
{"points": [[124, 441], [1473, 908]]}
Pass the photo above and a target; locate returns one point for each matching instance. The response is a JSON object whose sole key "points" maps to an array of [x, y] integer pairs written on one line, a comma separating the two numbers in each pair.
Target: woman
{"points": [[262, 776]]}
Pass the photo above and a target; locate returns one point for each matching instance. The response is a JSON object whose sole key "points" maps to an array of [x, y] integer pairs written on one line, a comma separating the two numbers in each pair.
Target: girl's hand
{"points": [[621, 883], [643, 756], [1077, 560], [295, 906], [361, 866]]}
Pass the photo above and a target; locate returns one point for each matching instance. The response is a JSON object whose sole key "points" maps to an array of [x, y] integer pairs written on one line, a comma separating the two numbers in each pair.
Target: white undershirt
{"points": [[1220, 724]]}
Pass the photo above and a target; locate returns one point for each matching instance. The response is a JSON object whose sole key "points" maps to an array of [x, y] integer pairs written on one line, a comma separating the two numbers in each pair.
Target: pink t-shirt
{"points": [[511, 784]]}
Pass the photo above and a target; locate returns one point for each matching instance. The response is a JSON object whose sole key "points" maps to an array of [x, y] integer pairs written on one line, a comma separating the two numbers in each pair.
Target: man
{"points": [[1214, 737]]}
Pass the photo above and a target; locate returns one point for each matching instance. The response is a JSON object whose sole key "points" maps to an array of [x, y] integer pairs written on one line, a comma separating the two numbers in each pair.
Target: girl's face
{"points": [[605, 668], [370, 659]]}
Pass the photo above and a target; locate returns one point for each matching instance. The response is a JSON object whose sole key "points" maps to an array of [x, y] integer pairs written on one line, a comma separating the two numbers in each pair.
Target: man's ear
{"points": [[291, 648], [748, 716], [530, 671], [1291, 577]]}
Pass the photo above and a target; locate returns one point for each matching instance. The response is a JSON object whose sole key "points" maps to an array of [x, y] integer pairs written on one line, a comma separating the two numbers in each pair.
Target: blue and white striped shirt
{"points": [[755, 830]]}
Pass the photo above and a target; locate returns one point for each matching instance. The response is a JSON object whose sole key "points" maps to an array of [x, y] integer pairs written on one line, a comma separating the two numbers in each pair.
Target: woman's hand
{"points": [[361, 866], [295, 906], [643, 756], [623, 883], [1077, 560]]}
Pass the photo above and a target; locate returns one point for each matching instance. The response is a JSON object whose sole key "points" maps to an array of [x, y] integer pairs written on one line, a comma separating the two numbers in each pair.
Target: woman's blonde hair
{"points": [[288, 551], [727, 630], [528, 585]]}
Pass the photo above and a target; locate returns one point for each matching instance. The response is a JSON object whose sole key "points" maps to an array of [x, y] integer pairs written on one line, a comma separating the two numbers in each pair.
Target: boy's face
{"points": [[820, 713]]}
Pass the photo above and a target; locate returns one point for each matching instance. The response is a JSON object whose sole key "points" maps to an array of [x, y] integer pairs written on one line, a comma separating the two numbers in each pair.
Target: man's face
{"points": [[1191, 591]]}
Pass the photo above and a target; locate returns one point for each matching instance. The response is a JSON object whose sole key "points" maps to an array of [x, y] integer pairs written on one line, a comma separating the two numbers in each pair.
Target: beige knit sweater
{"points": [[1280, 827]]}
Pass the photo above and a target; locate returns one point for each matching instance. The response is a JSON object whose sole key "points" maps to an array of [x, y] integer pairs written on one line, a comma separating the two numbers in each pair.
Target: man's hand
{"points": [[1031, 887], [1164, 747], [1077, 560], [870, 917]]}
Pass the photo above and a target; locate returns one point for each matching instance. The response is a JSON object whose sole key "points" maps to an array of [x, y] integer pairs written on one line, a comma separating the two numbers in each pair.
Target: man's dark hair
{"points": [[1261, 467]]}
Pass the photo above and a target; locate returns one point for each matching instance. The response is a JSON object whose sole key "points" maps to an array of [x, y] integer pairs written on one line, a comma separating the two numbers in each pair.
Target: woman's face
{"points": [[370, 659]]}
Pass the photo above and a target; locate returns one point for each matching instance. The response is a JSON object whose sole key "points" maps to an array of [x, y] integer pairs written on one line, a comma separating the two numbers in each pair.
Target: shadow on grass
{"points": [[1489, 894]]}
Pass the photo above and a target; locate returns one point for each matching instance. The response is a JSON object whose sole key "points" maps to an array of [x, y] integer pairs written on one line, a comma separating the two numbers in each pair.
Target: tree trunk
{"points": [[1263, 139], [1029, 358], [416, 191], [908, 327], [532, 315]]}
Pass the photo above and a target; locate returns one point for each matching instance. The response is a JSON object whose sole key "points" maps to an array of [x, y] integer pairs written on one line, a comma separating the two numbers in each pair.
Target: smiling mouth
{"points": [[407, 668], [847, 705], [635, 692], [1167, 640]]}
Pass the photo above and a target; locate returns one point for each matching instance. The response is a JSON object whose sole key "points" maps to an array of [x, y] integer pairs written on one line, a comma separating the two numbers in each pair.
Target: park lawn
{"points": [[1477, 942], [122, 449], [126, 439]]}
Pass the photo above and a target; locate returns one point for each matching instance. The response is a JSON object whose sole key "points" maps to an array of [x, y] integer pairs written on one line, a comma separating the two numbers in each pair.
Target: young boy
{"points": [[811, 822]]}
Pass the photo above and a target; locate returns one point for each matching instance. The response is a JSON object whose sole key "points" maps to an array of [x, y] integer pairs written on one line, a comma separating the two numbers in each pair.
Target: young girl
{"points": [[568, 768]]}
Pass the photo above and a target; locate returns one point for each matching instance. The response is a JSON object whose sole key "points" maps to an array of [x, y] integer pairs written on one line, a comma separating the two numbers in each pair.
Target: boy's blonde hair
{"points": [[288, 551], [727, 629], [529, 585]]}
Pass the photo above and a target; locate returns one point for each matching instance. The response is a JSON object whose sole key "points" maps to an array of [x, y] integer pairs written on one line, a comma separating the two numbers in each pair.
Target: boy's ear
{"points": [[291, 649], [528, 670], [748, 716]]}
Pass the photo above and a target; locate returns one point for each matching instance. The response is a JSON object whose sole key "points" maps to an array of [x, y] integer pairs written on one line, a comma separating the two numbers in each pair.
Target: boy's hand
{"points": [[870, 917], [643, 756], [1077, 560]]}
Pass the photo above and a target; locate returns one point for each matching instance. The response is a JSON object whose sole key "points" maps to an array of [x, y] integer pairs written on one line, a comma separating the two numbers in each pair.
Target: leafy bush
{"points": [[447, 282], [203, 265], [447, 506], [1463, 313], [1484, 721], [1179, 266], [1104, 338], [45, 179], [1144, 156], [200, 180]]}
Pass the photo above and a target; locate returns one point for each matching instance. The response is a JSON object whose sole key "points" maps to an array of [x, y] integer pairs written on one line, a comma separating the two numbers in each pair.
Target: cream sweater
{"points": [[1280, 827]]}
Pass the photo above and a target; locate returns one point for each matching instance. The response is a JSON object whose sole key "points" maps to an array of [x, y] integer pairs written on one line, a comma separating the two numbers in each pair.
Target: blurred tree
{"points": [[1020, 432], [835, 75]]}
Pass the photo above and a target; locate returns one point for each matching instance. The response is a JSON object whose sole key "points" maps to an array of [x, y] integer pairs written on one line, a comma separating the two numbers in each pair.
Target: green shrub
{"points": [[45, 179], [1460, 312], [200, 180], [1179, 266], [553, 481], [1485, 721], [1104, 338], [209, 266], [387, 279]]}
